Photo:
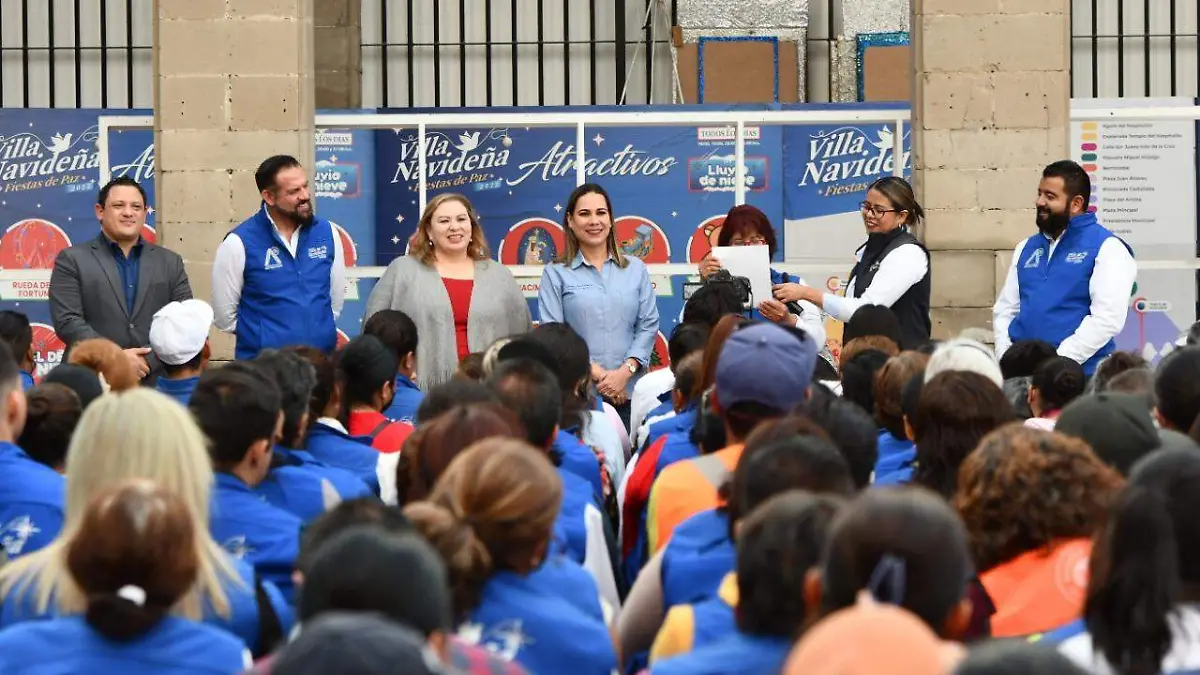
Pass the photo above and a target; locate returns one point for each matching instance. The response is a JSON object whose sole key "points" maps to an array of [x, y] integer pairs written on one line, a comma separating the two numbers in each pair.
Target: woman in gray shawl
{"points": [[460, 299]]}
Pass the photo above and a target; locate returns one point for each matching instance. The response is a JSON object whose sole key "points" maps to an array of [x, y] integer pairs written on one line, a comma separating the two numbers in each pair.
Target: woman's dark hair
{"points": [[367, 569], [134, 556], [1024, 356], [1024, 488], [712, 351], [889, 389], [791, 453], [1113, 365], [363, 511], [955, 411], [572, 363], [431, 448], [708, 433], [470, 368], [453, 393], [910, 396], [327, 380], [53, 413], [900, 194], [1143, 560], [1016, 657], [1058, 380], [778, 544], [906, 545], [1177, 388], [858, 378], [872, 321], [365, 365], [493, 508], [851, 429], [746, 219]]}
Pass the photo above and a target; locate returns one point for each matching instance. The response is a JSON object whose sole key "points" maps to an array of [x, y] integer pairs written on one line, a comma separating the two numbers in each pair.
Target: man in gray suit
{"points": [[111, 287]]}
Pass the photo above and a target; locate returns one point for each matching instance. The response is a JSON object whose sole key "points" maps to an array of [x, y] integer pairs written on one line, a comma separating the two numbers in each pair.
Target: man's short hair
{"points": [[530, 390], [395, 330], [452, 393], [265, 176], [1075, 179], [686, 338], [710, 302], [119, 181], [348, 514], [235, 406], [296, 378], [16, 332]]}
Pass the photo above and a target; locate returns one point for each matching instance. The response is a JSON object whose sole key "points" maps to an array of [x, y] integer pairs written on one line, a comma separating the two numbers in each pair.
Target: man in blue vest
{"points": [[1070, 283], [279, 278]]}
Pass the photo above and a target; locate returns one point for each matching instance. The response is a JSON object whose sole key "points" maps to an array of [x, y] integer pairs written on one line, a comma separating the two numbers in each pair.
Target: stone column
{"points": [[988, 114], [233, 86], [338, 76]]}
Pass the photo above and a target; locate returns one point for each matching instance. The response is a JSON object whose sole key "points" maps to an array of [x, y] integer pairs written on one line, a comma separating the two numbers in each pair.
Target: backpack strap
{"points": [[379, 429]]}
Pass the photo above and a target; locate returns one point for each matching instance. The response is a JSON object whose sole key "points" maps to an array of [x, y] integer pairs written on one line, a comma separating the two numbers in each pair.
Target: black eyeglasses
{"points": [[868, 207]]}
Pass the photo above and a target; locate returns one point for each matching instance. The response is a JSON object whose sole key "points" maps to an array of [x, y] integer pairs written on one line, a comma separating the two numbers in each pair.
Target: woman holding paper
{"points": [[892, 268], [746, 225], [604, 295]]}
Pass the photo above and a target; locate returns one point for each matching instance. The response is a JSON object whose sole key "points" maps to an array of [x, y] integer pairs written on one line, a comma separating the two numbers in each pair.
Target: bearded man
{"points": [[1070, 283], [279, 278]]}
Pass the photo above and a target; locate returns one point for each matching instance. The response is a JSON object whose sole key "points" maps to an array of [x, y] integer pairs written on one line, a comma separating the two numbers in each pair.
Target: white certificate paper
{"points": [[752, 262]]}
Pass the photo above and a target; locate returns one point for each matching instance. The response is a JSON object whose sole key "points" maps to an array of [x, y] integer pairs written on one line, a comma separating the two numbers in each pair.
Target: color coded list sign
{"points": [[1142, 173], [1089, 155], [1143, 177]]}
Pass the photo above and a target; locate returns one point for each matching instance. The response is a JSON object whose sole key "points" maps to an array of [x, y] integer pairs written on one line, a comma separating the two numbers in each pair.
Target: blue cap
{"points": [[766, 364]]}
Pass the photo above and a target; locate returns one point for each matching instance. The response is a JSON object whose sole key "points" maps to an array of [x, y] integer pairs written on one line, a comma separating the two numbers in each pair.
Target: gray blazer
{"points": [[497, 310], [86, 299]]}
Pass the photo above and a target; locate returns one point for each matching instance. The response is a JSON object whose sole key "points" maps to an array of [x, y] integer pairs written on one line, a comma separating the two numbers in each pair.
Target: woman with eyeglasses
{"points": [[892, 268], [746, 225]]}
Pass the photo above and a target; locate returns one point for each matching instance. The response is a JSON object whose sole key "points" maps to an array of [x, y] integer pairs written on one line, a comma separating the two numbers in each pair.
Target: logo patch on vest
{"points": [[1034, 260], [1077, 257], [272, 261], [318, 252]]}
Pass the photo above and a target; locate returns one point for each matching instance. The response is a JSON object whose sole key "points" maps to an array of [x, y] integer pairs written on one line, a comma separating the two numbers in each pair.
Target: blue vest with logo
{"points": [[250, 529], [406, 401], [697, 558], [285, 301], [529, 620], [32, 499], [1055, 293]]}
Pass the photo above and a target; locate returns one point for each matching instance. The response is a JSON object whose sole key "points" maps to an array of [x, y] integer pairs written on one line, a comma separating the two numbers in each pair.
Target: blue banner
{"points": [[343, 184], [48, 170], [670, 187]]}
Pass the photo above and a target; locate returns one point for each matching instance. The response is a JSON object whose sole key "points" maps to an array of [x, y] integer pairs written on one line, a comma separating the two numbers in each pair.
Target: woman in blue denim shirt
{"points": [[604, 295]]}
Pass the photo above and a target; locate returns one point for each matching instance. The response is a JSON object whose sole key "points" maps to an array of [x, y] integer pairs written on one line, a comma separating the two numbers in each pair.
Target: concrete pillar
{"points": [[338, 31], [233, 86], [987, 117]]}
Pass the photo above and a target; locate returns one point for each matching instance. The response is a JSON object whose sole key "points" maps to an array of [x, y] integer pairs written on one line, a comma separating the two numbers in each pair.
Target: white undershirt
{"points": [[899, 270], [229, 276]]}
